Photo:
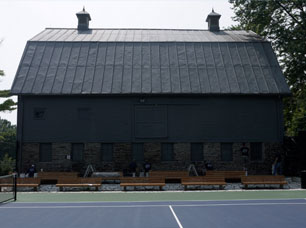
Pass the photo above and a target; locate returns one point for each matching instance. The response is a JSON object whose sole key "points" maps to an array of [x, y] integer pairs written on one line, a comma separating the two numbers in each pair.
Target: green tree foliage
{"points": [[7, 138], [283, 22], [7, 165], [9, 104]]}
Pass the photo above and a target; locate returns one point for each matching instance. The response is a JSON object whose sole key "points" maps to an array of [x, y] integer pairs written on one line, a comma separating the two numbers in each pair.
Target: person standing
{"points": [[31, 171], [277, 164], [147, 167], [133, 167], [245, 154]]}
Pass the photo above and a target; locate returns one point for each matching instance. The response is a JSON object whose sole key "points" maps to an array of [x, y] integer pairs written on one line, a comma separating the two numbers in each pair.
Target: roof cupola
{"points": [[83, 19], [213, 21]]}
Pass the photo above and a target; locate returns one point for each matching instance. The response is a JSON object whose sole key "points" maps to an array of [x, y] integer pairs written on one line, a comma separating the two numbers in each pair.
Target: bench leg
{"points": [[185, 187], [246, 186], [281, 186]]}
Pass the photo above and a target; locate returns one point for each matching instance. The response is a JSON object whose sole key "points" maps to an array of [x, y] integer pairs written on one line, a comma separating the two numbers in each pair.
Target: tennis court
{"points": [[157, 209]]}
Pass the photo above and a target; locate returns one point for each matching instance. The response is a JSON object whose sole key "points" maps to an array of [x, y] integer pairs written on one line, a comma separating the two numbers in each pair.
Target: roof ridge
{"points": [[167, 29]]}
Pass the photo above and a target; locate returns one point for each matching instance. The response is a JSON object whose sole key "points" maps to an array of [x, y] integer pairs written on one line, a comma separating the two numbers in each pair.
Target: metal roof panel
{"points": [[98, 80], [145, 35], [146, 68], [88, 80], [136, 80], [127, 80], [117, 79]]}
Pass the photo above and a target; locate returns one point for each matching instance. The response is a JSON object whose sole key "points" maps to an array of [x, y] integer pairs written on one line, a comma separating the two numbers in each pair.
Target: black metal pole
{"points": [[15, 187], [16, 157]]}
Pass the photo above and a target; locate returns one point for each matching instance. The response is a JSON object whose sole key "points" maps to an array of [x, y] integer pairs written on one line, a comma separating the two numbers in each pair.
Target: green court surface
{"points": [[159, 196]]}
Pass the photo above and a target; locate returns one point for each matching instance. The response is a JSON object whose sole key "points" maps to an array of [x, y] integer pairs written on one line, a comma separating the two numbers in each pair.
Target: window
{"points": [[84, 113], [107, 152], [77, 150], [138, 154], [256, 151], [167, 152], [197, 152], [39, 113], [226, 151], [45, 152]]}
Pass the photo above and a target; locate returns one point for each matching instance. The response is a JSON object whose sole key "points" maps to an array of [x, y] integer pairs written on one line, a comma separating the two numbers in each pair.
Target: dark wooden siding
{"points": [[174, 119]]}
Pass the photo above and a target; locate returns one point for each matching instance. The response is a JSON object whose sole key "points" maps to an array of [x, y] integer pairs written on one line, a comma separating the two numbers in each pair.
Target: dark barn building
{"points": [[108, 96]]}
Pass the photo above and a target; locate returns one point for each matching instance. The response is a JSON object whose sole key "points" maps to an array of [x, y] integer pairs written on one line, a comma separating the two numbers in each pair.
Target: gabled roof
{"points": [[70, 62], [144, 35]]}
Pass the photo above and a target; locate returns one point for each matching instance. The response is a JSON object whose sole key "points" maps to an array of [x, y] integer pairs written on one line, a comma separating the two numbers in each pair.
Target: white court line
{"points": [[84, 206], [150, 201], [236, 204], [151, 205], [176, 218]]}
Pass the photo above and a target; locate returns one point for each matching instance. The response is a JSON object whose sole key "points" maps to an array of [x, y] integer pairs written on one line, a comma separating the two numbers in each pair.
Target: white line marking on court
{"points": [[150, 205], [176, 218], [237, 204], [80, 206], [149, 201]]}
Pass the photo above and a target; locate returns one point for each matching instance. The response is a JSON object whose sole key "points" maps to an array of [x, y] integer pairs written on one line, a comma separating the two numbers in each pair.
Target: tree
{"points": [[283, 23], [9, 104], [7, 165], [7, 138]]}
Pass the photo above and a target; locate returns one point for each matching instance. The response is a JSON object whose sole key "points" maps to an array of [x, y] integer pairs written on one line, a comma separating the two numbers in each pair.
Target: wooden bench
{"points": [[79, 182], [142, 181], [203, 180], [226, 174], [53, 177], [169, 175], [56, 175], [23, 182], [263, 180], [106, 177]]}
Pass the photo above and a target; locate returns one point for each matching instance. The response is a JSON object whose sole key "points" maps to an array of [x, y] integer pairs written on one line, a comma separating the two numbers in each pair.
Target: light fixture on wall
{"points": [[142, 100]]}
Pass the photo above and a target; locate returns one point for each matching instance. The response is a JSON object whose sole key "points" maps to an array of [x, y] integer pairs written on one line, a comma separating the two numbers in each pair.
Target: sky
{"points": [[20, 20]]}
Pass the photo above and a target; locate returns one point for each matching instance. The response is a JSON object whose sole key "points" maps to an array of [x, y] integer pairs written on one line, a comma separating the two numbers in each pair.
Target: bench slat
{"points": [[141, 181], [203, 180], [263, 179], [79, 182]]}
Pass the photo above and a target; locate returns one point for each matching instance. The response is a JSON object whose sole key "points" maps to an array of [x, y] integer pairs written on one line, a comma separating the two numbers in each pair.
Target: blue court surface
{"points": [[282, 213]]}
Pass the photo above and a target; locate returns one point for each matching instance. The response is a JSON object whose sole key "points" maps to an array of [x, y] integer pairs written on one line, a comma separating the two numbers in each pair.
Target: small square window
{"points": [[138, 154], [197, 152], [45, 152], [256, 151], [167, 152], [39, 113], [107, 152], [226, 151], [77, 151]]}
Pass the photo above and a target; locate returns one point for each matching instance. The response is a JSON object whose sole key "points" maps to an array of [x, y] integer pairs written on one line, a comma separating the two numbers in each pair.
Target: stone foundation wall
{"points": [[122, 156]]}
